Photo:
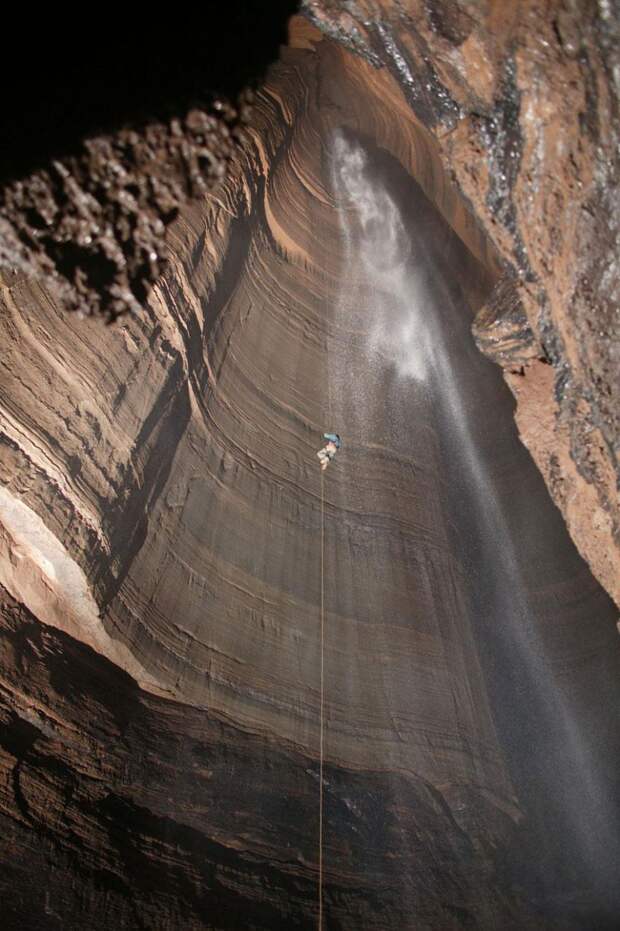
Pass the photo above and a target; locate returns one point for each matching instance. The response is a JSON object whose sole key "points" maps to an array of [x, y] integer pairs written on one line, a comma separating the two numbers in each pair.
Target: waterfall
{"points": [[405, 324]]}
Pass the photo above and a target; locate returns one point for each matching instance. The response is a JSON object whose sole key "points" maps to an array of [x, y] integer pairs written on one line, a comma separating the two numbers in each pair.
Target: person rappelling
{"points": [[330, 449]]}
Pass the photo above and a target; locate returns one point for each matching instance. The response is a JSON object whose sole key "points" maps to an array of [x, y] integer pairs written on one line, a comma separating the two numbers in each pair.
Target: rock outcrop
{"points": [[113, 133], [160, 568], [521, 101]]}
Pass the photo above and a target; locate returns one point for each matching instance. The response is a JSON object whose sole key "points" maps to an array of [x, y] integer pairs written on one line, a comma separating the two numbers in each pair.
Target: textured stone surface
{"points": [[522, 100], [113, 133], [160, 652], [130, 811], [522, 110], [92, 227]]}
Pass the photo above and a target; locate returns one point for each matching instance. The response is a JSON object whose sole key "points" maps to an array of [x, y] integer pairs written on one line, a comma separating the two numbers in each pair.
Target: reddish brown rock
{"points": [[160, 563], [111, 132], [522, 101]]}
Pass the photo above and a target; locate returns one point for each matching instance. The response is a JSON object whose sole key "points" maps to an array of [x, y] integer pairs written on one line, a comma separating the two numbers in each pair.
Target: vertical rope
{"points": [[322, 700]]}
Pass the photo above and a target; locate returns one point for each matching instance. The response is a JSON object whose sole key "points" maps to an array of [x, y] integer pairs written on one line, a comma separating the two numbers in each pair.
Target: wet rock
{"points": [[160, 550], [533, 148], [160, 524], [450, 20], [502, 330]]}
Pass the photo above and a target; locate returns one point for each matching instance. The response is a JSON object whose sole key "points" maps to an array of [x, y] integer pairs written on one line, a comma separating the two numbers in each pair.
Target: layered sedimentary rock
{"points": [[522, 103], [522, 109], [161, 515]]}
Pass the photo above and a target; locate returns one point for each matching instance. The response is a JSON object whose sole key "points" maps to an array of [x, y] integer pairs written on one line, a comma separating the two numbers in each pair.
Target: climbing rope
{"points": [[322, 701]]}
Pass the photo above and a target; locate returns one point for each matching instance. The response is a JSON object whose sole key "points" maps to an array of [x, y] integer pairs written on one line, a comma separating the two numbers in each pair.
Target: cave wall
{"points": [[115, 131], [521, 108], [161, 742], [522, 103]]}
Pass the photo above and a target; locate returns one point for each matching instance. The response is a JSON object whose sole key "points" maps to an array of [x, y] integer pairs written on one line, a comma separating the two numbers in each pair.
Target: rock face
{"points": [[160, 516], [522, 104], [112, 135]]}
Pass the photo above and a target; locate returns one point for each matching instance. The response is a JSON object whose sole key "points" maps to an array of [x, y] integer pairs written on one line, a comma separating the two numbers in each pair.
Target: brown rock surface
{"points": [[110, 131], [160, 516], [522, 100], [521, 104]]}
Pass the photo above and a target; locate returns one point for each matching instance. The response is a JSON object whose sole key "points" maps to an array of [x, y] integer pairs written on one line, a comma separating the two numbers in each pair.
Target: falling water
{"points": [[402, 319]]}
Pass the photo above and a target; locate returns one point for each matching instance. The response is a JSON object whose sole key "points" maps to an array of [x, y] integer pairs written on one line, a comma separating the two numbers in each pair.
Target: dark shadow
{"points": [[70, 77]]}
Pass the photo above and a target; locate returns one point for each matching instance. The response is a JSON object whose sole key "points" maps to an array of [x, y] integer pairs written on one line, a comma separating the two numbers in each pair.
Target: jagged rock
{"points": [[502, 331], [160, 564], [92, 227], [523, 103], [112, 134]]}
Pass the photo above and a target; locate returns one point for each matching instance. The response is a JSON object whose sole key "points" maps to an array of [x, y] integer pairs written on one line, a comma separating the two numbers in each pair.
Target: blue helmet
{"points": [[335, 438]]}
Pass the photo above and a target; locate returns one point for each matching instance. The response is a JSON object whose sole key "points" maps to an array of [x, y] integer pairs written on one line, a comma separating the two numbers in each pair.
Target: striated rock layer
{"points": [[521, 101], [160, 529]]}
